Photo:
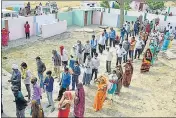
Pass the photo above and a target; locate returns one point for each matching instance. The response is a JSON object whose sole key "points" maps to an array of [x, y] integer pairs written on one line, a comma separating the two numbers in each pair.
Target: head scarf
{"points": [[14, 66], [129, 62], [68, 95]]}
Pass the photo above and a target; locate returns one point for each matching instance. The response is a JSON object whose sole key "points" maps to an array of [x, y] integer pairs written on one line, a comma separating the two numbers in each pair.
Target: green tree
{"points": [[105, 4], [155, 5]]}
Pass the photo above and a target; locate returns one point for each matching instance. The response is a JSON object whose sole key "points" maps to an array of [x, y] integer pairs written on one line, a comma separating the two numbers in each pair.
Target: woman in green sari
{"points": [[153, 48]]}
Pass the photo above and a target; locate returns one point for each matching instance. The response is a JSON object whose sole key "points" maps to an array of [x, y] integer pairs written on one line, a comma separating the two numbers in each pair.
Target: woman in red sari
{"points": [[64, 105], [146, 62], [5, 36], [147, 28], [128, 73]]}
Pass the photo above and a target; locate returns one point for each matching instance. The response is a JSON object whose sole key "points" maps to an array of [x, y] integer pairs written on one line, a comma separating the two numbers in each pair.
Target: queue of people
{"points": [[86, 58]]}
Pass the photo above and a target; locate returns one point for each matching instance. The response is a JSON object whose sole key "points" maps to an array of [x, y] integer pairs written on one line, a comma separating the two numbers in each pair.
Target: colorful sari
{"points": [[128, 74], [166, 42], [5, 36], [64, 105], [153, 49], [120, 78], [79, 101], [146, 62], [101, 93]]}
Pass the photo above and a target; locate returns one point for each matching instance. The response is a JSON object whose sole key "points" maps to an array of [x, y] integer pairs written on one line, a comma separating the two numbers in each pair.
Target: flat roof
{"points": [[7, 11]]}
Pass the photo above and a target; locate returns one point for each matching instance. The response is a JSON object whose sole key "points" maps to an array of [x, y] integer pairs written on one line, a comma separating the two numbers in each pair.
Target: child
{"points": [[112, 84], [75, 75], [49, 81], [21, 103], [36, 91], [108, 60]]}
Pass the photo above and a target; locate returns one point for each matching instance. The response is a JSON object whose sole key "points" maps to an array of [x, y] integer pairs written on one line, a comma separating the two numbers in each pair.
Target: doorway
{"points": [[85, 18], [92, 18]]}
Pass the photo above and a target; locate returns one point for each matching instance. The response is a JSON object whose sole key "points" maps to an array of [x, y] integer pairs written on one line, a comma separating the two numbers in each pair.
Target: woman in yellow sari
{"points": [[101, 93]]}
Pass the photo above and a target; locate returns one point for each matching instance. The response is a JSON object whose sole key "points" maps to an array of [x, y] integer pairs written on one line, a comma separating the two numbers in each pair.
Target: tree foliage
{"points": [[105, 4], [155, 5]]}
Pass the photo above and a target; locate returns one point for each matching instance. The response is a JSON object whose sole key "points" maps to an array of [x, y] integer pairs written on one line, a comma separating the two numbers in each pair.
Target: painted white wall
{"points": [[151, 16], [45, 19], [173, 10], [161, 17], [52, 29], [115, 11], [135, 13], [110, 19], [16, 27], [96, 17], [171, 18]]}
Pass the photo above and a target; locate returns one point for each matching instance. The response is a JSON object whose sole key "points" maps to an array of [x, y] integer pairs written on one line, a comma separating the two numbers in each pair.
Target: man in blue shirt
{"points": [[75, 75], [65, 82], [112, 36], [106, 35], [93, 43], [122, 34], [72, 62], [49, 81], [135, 28]]}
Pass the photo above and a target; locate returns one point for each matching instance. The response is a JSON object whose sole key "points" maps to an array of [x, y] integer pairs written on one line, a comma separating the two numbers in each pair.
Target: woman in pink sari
{"points": [[79, 101]]}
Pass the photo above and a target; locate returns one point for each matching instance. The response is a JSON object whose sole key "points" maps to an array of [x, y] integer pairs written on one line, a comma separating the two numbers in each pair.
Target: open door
{"points": [[92, 18], [6, 25], [85, 18]]}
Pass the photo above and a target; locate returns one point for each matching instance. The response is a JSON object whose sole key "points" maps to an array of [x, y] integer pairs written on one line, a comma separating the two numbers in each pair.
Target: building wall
{"points": [[16, 27], [78, 17], [2, 24], [110, 19], [89, 17], [130, 18], [68, 16]]}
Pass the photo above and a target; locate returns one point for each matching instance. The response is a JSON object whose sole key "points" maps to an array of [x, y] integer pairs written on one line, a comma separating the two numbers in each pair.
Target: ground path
{"points": [[150, 94]]}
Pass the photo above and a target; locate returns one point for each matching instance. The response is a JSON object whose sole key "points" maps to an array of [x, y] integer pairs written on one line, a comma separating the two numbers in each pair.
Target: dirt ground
{"points": [[150, 94]]}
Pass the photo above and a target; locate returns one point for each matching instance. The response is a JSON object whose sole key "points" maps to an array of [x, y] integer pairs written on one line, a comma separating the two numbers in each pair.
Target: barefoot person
{"points": [[101, 93], [79, 101], [128, 73], [146, 62], [64, 105], [120, 78]]}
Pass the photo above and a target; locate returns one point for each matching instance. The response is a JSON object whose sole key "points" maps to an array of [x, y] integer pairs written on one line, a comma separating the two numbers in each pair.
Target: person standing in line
{"points": [[138, 50], [101, 43], [132, 46], [49, 81], [36, 91], [147, 29], [136, 29], [21, 103], [132, 29], [40, 69], [79, 101], [128, 73], [95, 65], [87, 49], [87, 71], [16, 77], [65, 82], [112, 36], [93, 43], [122, 34], [79, 49], [72, 62], [126, 46], [64, 56], [167, 28], [120, 52], [108, 60], [151, 25], [75, 75], [106, 35], [57, 63], [26, 75], [127, 28], [27, 30]]}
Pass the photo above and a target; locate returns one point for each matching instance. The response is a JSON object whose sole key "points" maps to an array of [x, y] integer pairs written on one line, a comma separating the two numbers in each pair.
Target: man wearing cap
{"points": [[16, 77], [40, 69]]}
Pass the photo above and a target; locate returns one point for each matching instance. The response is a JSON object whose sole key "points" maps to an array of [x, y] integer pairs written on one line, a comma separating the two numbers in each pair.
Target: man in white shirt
{"points": [[79, 49], [108, 60], [88, 71], [101, 43], [95, 65], [87, 49], [139, 44], [120, 52]]}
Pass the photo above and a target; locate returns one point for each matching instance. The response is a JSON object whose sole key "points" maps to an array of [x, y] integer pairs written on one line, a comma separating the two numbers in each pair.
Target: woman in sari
{"points": [[5, 37], [166, 42], [120, 78], [101, 93], [64, 105], [146, 62], [79, 101], [128, 73], [153, 49], [36, 110]]}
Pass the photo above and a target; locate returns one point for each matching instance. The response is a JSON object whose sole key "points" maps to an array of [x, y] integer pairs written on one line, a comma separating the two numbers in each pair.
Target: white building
{"points": [[89, 4]]}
